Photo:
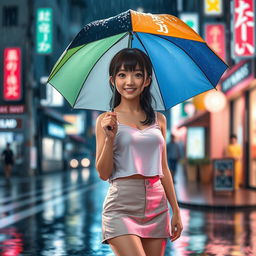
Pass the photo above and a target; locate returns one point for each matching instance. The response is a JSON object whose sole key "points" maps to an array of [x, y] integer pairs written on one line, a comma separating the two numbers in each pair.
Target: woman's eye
{"points": [[138, 75], [121, 75]]}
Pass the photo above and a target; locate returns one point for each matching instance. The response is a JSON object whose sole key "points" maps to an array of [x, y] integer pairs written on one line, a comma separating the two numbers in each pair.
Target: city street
{"points": [[132, 87], [60, 214]]}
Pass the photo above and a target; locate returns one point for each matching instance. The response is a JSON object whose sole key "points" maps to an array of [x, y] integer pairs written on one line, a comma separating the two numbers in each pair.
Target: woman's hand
{"points": [[176, 226], [109, 120]]}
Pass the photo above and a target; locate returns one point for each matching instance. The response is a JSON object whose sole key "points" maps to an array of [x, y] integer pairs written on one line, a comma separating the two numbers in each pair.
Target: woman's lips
{"points": [[130, 90]]}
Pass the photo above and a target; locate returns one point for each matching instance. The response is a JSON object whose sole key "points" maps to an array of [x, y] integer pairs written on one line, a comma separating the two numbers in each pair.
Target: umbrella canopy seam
{"points": [[152, 66], [96, 63], [190, 58], [217, 55], [94, 30], [62, 64], [59, 92]]}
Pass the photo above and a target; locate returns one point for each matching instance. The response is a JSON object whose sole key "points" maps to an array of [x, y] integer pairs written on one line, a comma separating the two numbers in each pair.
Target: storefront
{"points": [[12, 130], [197, 141], [51, 156], [252, 138], [239, 86]]}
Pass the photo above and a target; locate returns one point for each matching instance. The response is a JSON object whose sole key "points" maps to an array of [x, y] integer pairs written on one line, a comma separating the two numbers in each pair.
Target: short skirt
{"points": [[135, 206]]}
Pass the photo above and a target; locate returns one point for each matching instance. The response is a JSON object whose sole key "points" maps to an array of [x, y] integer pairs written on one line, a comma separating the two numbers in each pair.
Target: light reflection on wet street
{"points": [[60, 214]]}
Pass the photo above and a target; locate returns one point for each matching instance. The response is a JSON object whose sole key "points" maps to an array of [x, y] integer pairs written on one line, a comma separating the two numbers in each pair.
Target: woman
{"points": [[132, 157]]}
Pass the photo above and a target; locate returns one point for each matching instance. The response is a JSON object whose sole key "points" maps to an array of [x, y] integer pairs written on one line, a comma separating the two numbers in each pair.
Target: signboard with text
{"points": [[238, 77], [10, 123], [12, 90], [56, 130], [44, 31], [195, 146], [223, 174], [215, 38], [12, 109], [244, 28]]}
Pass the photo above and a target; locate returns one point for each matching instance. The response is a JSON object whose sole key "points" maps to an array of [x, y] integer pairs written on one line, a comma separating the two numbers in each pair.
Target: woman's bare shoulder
{"points": [[161, 118]]}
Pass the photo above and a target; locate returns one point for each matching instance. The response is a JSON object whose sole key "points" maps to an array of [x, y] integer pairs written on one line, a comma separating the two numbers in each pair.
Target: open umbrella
{"points": [[183, 64]]}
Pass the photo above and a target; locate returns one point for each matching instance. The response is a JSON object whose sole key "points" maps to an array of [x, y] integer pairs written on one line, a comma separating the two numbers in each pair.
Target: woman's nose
{"points": [[129, 79]]}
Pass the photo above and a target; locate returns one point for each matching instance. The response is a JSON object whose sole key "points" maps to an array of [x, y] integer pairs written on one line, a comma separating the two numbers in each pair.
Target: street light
{"points": [[215, 101]]}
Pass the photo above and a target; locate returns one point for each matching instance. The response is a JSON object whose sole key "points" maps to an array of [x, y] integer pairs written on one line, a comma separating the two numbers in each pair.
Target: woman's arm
{"points": [[167, 182], [104, 151]]}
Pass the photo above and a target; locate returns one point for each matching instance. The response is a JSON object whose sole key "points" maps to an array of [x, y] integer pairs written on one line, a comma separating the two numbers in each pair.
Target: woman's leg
{"points": [[154, 246], [127, 245]]}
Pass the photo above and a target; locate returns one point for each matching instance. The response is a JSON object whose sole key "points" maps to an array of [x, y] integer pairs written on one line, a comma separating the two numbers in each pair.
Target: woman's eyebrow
{"points": [[127, 70]]}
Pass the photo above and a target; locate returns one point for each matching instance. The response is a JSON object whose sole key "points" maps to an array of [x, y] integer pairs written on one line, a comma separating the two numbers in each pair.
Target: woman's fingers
{"points": [[110, 119], [176, 231]]}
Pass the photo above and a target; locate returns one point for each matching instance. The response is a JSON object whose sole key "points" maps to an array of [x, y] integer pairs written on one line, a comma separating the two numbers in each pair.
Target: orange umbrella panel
{"points": [[162, 24]]}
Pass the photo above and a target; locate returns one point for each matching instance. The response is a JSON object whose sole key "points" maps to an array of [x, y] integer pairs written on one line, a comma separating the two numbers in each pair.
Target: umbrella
{"points": [[183, 64]]}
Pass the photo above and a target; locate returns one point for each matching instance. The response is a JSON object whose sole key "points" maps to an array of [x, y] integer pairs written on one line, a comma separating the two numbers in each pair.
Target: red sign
{"points": [[215, 38], [12, 74], [244, 28], [12, 109]]}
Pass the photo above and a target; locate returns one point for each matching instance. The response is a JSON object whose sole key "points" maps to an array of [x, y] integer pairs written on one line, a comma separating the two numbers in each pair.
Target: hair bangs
{"points": [[130, 60]]}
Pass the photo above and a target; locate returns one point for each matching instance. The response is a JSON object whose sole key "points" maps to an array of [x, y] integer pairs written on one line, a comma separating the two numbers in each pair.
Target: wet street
{"points": [[60, 214]]}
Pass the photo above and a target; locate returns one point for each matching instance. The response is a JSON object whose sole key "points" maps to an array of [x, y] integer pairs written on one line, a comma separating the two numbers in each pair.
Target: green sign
{"points": [[183, 111], [44, 31]]}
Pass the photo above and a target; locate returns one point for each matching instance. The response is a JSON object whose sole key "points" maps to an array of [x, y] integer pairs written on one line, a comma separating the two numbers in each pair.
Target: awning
{"points": [[201, 118], [77, 138], [54, 115]]}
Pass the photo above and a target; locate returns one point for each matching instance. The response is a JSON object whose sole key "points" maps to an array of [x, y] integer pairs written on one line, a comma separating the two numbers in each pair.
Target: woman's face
{"points": [[130, 84]]}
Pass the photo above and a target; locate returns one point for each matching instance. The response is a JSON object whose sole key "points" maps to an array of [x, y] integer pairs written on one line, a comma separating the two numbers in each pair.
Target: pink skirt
{"points": [[135, 206]]}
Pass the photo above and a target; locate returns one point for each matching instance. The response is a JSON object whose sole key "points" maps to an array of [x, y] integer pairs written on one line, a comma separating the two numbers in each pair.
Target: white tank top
{"points": [[137, 151]]}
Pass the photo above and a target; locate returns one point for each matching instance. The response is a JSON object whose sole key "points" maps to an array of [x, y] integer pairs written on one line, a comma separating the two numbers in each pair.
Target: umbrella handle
{"points": [[109, 127], [112, 109]]}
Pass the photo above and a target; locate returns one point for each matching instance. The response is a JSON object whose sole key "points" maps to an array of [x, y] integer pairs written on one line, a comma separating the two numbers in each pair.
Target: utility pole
{"points": [[29, 85]]}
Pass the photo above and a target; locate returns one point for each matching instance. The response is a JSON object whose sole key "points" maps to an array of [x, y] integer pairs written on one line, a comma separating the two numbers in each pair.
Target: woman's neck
{"points": [[128, 108]]}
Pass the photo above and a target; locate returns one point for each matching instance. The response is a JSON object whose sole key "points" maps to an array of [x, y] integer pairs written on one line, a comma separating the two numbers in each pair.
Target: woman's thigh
{"points": [[154, 246], [127, 245]]}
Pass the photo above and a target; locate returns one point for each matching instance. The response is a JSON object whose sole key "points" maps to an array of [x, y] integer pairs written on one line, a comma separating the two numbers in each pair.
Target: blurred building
{"points": [[229, 29], [34, 36], [16, 81]]}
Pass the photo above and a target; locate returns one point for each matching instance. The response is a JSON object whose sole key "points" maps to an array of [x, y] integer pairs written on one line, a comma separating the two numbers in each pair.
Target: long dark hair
{"points": [[130, 57]]}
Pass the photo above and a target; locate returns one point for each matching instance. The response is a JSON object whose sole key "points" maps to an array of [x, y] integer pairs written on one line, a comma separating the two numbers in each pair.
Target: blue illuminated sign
{"points": [[56, 130]]}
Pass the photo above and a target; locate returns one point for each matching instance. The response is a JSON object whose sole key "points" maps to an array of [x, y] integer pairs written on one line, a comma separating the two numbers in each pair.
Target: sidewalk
{"points": [[197, 196]]}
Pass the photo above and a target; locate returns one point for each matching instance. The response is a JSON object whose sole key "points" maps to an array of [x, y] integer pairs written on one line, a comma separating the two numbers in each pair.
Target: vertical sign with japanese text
{"points": [[12, 74], [244, 28], [44, 31], [215, 38], [213, 7]]}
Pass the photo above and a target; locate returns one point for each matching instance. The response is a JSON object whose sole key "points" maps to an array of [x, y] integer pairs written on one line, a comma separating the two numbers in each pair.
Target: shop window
{"points": [[52, 149], [237, 126], [252, 142], [10, 16]]}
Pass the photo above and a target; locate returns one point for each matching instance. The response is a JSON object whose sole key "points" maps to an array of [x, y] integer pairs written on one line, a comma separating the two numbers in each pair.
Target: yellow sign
{"points": [[212, 7]]}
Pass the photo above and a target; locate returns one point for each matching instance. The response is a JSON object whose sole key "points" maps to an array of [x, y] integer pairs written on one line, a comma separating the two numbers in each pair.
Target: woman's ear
{"points": [[111, 80], [148, 81]]}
